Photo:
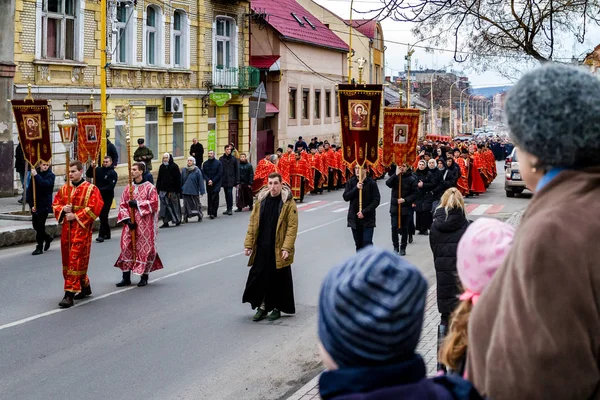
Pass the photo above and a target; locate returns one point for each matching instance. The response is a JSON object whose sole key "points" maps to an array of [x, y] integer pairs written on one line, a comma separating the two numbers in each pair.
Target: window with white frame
{"points": [[152, 129], [178, 134], [225, 31], [180, 39], [123, 33], [59, 26], [153, 35]]}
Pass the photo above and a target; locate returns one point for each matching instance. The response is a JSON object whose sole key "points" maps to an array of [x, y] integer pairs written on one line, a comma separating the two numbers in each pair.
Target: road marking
{"points": [[495, 209], [383, 204], [93, 299], [480, 210], [470, 207], [340, 210], [299, 206], [323, 206], [308, 206]]}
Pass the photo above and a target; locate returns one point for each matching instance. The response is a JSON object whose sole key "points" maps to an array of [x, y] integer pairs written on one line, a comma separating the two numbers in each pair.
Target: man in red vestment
{"points": [[316, 166], [285, 162], [144, 204], [76, 206], [476, 185], [265, 167], [463, 179], [301, 179]]}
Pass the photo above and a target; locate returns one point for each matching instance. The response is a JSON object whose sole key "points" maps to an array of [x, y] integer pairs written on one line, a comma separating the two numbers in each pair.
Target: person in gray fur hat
{"points": [[371, 310], [534, 332]]}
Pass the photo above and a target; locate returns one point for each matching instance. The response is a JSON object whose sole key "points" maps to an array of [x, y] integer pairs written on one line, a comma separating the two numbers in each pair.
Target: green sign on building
{"points": [[220, 98], [212, 140]]}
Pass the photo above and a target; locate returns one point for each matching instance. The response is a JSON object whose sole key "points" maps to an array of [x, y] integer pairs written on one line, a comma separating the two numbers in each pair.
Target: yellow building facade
{"points": [[182, 66]]}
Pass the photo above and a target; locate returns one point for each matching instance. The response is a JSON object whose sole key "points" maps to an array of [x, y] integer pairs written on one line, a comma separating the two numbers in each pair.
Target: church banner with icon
{"points": [[400, 135], [360, 107], [89, 135], [33, 125]]}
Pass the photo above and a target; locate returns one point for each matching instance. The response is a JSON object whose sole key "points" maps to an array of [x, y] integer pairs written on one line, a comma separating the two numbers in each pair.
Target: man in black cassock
{"points": [[270, 244]]}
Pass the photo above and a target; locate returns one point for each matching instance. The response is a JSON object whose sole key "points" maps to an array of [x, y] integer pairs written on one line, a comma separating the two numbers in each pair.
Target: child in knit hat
{"points": [[371, 311], [481, 251]]}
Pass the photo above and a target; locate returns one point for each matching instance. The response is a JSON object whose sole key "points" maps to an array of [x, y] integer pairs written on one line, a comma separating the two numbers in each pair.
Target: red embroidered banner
{"points": [[400, 135], [89, 134], [360, 107], [33, 125]]}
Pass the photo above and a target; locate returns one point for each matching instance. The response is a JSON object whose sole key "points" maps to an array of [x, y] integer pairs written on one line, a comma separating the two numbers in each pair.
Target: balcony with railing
{"points": [[237, 79]]}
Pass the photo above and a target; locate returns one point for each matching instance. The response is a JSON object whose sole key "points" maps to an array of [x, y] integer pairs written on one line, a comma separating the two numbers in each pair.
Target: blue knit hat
{"points": [[371, 309]]}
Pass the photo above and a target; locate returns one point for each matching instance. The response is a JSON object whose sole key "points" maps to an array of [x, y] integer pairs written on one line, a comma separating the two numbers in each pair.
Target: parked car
{"points": [[513, 183]]}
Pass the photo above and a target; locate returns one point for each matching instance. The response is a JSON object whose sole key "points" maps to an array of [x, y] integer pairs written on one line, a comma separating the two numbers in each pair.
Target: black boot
{"points": [[126, 281], [38, 250], [143, 280], [441, 334], [410, 238], [47, 242], [67, 301], [85, 292], [396, 249]]}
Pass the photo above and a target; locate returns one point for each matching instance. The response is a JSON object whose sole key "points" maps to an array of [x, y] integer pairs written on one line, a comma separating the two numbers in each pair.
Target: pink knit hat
{"points": [[481, 251]]}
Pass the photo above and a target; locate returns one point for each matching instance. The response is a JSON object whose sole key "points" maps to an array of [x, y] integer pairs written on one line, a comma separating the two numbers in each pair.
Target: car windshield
{"points": [[514, 156]]}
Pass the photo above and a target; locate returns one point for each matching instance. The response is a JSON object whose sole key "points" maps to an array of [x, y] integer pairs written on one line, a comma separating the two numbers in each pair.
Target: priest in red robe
{"points": [[76, 206], [463, 180], [301, 179], [144, 205], [319, 175]]}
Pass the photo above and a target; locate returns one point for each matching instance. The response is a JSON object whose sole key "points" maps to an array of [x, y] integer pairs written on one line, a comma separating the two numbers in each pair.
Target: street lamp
{"points": [[407, 57], [431, 105], [462, 113], [67, 130], [450, 106]]}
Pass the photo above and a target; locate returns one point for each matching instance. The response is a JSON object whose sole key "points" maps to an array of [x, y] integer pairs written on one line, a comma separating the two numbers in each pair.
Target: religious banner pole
{"points": [[92, 110]]}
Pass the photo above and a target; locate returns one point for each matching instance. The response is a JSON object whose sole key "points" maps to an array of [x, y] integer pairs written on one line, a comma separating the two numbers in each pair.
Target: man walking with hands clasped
{"points": [[270, 242]]}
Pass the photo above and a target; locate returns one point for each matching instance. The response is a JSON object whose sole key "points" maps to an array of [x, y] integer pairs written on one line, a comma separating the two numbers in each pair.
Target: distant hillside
{"points": [[490, 91]]}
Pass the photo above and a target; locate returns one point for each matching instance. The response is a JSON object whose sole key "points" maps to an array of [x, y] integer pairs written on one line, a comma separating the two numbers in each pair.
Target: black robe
{"points": [[265, 282]]}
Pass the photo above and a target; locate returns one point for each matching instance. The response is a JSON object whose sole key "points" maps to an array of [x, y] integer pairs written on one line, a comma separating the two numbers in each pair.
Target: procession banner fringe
{"points": [[89, 135], [33, 125], [360, 108], [400, 135]]}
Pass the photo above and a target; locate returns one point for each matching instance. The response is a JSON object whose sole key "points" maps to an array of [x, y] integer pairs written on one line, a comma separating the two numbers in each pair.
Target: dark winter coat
{"points": [[19, 160], [246, 173], [111, 151], [444, 180], [424, 199], [145, 155], [44, 185], [198, 150], [231, 171], [148, 177], [370, 202], [169, 177], [106, 179], [212, 171], [443, 238], [409, 193], [192, 182], [406, 380]]}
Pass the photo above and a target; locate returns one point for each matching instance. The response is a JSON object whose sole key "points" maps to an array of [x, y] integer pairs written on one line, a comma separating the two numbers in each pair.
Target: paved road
{"points": [[186, 335]]}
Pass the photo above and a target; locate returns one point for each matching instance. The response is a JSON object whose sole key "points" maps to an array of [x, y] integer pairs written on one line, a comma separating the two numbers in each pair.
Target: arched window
{"points": [[123, 33], [153, 35], [180, 40]]}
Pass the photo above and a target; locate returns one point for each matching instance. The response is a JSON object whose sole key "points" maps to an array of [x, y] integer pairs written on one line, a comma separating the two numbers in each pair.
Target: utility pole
{"points": [[7, 75], [407, 58], [103, 105]]}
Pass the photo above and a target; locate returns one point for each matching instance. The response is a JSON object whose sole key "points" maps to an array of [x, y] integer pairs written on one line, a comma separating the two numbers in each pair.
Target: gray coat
{"points": [[192, 183]]}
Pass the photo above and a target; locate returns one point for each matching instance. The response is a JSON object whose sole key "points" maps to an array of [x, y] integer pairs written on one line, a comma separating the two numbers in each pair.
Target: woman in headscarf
{"points": [[535, 333], [192, 186]]}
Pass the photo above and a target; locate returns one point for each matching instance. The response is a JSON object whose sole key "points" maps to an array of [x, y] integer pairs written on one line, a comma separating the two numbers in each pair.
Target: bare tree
{"points": [[496, 33]]}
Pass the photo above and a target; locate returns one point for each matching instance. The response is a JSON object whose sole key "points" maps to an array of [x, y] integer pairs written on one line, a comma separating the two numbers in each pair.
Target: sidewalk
{"points": [[16, 230], [427, 346]]}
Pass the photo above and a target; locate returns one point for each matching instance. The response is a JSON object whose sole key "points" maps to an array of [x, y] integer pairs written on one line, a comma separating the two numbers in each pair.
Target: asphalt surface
{"points": [[186, 335]]}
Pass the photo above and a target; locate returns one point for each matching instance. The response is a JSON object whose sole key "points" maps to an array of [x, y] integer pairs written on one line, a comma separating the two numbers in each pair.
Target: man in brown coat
{"points": [[270, 244]]}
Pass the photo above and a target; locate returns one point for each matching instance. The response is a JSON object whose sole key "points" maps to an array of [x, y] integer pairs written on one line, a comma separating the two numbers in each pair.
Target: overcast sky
{"points": [[400, 32]]}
